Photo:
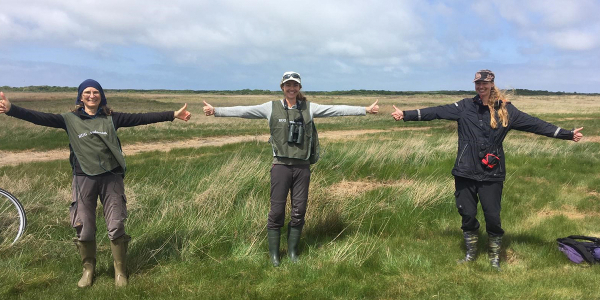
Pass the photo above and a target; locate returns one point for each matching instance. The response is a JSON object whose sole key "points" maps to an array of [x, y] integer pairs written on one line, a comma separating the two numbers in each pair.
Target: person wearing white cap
{"points": [[479, 170], [295, 146]]}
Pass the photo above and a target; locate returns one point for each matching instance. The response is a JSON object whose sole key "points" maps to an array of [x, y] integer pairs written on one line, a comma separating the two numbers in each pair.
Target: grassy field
{"points": [[381, 220]]}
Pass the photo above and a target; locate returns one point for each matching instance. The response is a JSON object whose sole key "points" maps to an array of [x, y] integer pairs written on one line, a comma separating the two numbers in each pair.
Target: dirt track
{"points": [[10, 158]]}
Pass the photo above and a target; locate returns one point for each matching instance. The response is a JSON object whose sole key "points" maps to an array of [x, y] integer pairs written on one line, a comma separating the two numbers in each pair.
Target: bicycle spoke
{"points": [[12, 218]]}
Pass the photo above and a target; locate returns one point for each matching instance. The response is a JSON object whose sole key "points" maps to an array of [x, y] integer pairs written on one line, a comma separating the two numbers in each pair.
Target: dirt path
{"points": [[10, 158]]}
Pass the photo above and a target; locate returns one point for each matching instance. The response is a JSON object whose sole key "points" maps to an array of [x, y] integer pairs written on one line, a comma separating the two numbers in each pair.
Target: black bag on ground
{"points": [[579, 251]]}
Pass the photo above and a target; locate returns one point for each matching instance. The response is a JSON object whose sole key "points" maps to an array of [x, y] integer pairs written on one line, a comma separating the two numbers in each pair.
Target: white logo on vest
{"points": [[92, 132]]}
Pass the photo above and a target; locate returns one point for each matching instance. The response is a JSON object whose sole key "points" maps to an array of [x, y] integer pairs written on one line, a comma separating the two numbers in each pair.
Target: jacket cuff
{"points": [[412, 115]]}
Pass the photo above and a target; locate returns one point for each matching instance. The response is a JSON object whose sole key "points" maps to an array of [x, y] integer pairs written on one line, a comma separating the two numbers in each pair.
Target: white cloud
{"points": [[388, 38]]}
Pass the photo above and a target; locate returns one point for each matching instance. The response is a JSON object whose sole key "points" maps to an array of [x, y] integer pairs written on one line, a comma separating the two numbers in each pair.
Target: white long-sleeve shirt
{"points": [[263, 111]]}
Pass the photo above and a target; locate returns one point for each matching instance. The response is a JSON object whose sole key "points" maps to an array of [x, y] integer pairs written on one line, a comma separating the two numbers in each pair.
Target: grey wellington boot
{"points": [[471, 238], [293, 239], [87, 251], [273, 236], [119, 252], [495, 241]]}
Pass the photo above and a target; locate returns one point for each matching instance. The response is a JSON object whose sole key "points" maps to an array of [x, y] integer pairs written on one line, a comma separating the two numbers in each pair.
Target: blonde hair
{"points": [[498, 95]]}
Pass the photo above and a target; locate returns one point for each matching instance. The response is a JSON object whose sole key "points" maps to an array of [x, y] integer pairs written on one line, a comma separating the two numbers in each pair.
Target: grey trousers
{"points": [[86, 190], [286, 180]]}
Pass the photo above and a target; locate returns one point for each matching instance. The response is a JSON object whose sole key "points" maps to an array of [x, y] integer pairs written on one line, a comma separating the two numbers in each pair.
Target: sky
{"points": [[395, 45]]}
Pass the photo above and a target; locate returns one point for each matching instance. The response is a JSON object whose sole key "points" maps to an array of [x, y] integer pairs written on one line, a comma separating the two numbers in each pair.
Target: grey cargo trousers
{"points": [[86, 190]]}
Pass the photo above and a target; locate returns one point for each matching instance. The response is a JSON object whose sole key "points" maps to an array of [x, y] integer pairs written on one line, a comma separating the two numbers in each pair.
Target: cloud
{"points": [[383, 43], [560, 25]]}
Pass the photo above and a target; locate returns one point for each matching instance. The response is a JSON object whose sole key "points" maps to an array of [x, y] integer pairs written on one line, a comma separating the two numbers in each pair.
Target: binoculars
{"points": [[296, 132]]}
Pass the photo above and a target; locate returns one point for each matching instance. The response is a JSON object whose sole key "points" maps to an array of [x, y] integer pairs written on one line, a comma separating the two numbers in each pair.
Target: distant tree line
{"points": [[46, 89]]}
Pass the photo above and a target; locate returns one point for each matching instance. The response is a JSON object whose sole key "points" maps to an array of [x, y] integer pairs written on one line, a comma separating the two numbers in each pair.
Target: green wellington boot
{"points": [[273, 236], [471, 245], [293, 239], [87, 251], [119, 252], [495, 241]]}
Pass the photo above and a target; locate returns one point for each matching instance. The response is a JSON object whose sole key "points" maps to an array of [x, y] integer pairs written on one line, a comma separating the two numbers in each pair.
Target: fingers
{"points": [[395, 107], [577, 135], [208, 109], [4, 104], [187, 115]]}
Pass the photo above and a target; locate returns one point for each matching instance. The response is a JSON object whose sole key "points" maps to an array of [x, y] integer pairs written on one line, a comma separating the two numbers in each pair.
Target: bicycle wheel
{"points": [[12, 218]]}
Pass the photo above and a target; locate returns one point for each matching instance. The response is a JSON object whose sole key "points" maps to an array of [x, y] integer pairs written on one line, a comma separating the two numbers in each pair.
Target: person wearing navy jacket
{"points": [[98, 168], [479, 170]]}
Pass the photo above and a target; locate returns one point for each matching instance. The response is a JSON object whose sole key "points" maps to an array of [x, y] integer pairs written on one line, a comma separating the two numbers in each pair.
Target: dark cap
{"points": [[90, 83], [484, 75]]}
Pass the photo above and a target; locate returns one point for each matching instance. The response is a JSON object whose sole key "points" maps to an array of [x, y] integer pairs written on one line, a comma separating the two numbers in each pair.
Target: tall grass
{"points": [[381, 220]]}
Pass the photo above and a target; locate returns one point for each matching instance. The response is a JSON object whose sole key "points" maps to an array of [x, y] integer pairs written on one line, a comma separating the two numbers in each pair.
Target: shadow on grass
{"points": [[326, 230]]}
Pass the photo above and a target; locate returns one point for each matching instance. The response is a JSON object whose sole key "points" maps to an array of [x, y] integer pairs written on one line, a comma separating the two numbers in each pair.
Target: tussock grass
{"points": [[381, 220]]}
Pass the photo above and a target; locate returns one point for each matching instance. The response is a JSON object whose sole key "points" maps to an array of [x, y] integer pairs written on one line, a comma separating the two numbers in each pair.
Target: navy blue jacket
{"points": [[477, 138]]}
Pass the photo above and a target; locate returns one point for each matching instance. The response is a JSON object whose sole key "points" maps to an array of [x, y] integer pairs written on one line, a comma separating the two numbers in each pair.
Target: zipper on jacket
{"points": [[461, 154]]}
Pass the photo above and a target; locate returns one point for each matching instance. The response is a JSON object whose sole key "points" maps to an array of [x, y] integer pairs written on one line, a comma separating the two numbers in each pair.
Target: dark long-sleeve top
{"points": [[119, 120], [476, 137]]}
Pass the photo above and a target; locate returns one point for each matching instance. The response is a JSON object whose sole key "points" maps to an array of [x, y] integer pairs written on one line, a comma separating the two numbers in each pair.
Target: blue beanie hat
{"points": [[90, 83]]}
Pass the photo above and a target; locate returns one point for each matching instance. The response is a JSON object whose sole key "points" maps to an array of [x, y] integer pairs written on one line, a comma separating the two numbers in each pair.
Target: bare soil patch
{"points": [[10, 158]]}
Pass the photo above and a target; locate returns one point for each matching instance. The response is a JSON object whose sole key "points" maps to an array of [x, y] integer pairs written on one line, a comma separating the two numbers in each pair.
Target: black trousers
{"points": [[286, 180], [489, 193]]}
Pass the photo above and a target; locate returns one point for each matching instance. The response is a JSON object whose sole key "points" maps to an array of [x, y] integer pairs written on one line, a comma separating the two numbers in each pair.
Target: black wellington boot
{"points": [[471, 238], [293, 239], [273, 236]]}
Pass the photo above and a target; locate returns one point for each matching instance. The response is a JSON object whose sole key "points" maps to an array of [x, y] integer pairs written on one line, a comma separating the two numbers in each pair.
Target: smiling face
{"points": [[290, 90], [483, 88], [90, 97]]}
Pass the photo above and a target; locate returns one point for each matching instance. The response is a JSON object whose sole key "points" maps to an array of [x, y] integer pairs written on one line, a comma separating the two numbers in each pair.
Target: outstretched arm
{"points": [[524, 122], [446, 112], [262, 111], [35, 117]]}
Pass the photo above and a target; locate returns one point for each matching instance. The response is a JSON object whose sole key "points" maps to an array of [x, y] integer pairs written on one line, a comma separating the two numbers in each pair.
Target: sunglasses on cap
{"points": [[291, 75]]}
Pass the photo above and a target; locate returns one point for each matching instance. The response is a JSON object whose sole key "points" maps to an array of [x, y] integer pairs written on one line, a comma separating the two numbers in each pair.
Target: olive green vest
{"points": [[94, 143], [279, 125]]}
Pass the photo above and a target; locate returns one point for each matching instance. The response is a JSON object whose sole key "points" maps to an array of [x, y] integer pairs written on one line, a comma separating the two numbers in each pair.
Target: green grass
{"points": [[381, 220]]}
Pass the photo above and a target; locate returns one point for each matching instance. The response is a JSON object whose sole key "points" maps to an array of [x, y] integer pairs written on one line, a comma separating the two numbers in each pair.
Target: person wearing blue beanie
{"points": [[98, 168], [94, 84]]}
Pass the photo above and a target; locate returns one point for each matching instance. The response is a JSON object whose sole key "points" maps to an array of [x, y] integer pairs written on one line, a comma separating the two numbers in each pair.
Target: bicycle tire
{"points": [[13, 220]]}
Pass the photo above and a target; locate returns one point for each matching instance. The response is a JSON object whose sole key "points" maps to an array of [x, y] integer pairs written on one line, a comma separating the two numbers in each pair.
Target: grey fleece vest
{"points": [[94, 143], [279, 125]]}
